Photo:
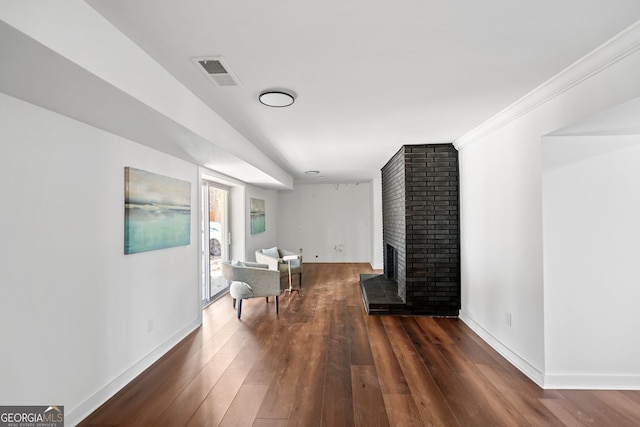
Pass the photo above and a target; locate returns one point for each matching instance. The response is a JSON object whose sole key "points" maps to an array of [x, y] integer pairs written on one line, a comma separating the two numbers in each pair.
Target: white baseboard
{"points": [[522, 365], [82, 411], [554, 381], [592, 382]]}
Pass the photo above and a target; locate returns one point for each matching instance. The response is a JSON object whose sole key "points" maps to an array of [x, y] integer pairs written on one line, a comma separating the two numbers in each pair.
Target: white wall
{"points": [[269, 238], [501, 253], [501, 207], [377, 258], [238, 217], [74, 310], [591, 206], [320, 218]]}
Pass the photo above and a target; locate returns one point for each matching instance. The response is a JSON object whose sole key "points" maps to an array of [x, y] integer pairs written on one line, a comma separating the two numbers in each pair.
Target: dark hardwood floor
{"points": [[323, 361]]}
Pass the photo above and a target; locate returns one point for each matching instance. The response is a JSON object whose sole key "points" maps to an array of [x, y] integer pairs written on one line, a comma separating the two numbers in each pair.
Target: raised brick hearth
{"points": [[420, 234]]}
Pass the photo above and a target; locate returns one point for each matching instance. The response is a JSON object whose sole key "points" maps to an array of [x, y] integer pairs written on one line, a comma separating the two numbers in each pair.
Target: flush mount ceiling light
{"points": [[276, 98], [312, 173]]}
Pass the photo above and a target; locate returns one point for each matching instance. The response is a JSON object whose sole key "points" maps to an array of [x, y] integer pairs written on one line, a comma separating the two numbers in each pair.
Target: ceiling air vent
{"points": [[216, 69]]}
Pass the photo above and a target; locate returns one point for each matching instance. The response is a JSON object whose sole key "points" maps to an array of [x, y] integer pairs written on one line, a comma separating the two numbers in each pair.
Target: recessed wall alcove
{"points": [[420, 215], [591, 242]]}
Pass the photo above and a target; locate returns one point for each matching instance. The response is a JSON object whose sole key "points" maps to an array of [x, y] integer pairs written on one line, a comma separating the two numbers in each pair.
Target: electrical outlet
{"points": [[508, 319], [150, 325]]}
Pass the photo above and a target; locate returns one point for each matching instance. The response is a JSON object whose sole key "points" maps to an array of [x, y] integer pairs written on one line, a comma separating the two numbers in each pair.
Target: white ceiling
{"points": [[370, 75]]}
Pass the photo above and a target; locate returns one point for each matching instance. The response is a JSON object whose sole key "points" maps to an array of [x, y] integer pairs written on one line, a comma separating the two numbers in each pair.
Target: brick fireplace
{"points": [[420, 235]]}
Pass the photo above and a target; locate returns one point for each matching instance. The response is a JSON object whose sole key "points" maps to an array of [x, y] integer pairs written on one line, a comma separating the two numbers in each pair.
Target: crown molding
{"points": [[624, 44]]}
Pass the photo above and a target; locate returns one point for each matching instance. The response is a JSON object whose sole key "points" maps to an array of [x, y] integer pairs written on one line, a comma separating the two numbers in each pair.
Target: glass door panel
{"points": [[216, 248]]}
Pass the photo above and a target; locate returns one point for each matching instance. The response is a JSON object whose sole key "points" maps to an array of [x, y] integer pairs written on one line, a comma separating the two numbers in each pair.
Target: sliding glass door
{"points": [[215, 248]]}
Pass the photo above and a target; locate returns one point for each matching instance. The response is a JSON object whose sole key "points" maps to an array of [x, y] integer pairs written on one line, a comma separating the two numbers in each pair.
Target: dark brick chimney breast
{"points": [[421, 229]]}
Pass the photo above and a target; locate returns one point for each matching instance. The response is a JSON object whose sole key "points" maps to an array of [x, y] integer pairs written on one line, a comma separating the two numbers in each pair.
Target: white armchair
{"points": [[251, 280], [273, 258]]}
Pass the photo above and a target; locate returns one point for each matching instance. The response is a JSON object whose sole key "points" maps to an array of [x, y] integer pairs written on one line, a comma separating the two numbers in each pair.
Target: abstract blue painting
{"points": [[157, 211], [258, 216]]}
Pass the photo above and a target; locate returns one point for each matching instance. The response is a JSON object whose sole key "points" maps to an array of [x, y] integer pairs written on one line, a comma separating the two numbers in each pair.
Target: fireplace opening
{"points": [[391, 263]]}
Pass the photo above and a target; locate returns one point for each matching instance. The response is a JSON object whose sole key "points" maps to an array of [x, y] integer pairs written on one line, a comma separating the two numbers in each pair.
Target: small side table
{"points": [[290, 258]]}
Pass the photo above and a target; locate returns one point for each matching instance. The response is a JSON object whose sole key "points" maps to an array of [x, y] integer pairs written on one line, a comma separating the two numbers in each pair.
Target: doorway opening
{"points": [[215, 239]]}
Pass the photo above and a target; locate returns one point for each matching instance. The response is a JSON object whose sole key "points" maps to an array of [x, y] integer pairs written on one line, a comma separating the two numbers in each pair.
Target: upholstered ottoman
{"points": [[240, 291]]}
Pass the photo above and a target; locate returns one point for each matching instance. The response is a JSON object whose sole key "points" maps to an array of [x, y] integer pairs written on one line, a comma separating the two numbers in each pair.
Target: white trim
{"points": [[85, 409], [553, 381], [619, 47], [211, 175], [525, 367], [592, 382], [378, 266]]}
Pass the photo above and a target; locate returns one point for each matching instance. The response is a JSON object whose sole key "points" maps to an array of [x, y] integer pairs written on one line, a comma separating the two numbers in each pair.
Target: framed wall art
{"points": [[258, 216], [157, 211]]}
